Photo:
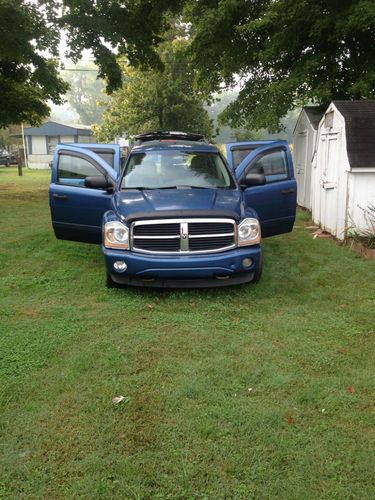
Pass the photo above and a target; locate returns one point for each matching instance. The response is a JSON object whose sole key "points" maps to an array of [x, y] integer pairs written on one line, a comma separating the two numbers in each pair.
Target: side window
{"points": [[240, 154], [273, 165], [74, 170]]}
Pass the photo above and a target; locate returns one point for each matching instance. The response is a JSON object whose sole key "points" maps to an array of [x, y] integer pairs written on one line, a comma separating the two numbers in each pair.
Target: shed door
{"points": [[301, 156], [329, 182]]}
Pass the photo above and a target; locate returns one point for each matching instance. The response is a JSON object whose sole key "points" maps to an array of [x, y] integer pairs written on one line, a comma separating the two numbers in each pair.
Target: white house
{"points": [[304, 138], [41, 141], [343, 175]]}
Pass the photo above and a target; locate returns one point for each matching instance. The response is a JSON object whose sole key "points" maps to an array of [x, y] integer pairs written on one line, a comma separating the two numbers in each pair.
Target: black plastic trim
{"points": [[181, 214], [236, 279]]}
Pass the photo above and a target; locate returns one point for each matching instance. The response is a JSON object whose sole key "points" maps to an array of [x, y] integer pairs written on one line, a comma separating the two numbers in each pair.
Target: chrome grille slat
{"points": [[158, 237], [192, 236], [183, 236]]}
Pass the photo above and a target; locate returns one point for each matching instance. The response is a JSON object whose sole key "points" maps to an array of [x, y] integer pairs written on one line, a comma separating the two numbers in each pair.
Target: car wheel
{"points": [[109, 283], [7, 163], [258, 271]]}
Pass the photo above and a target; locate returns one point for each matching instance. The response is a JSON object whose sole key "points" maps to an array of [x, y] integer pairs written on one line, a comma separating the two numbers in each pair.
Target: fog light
{"points": [[120, 266], [247, 262]]}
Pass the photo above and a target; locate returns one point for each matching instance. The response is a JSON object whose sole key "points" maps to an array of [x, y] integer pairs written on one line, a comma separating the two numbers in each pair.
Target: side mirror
{"points": [[254, 180], [98, 182]]}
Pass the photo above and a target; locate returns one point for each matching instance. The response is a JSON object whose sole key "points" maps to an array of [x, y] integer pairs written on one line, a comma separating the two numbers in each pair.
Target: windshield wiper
{"points": [[184, 186], [177, 186]]}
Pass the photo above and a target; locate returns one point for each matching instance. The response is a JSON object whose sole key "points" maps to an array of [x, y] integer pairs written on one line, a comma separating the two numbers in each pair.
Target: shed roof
{"points": [[54, 128], [360, 131], [314, 114]]}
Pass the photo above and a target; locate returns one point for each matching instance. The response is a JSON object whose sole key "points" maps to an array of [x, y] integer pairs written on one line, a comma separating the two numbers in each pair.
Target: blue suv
{"points": [[175, 213]]}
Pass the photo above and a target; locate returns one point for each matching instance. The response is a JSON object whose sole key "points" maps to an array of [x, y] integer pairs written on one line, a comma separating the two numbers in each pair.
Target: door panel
{"points": [[329, 184], [76, 210], [300, 163], [275, 202]]}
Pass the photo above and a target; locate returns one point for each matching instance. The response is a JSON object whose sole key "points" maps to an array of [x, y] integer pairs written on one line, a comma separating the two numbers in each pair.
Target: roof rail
{"points": [[168, 135]]}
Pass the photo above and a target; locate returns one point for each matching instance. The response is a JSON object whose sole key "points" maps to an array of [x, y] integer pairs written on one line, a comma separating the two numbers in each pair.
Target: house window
{"points": [[85, 139], [328, 120], [52, 141]]}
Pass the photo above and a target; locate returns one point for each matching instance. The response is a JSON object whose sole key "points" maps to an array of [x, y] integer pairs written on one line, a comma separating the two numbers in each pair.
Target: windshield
{"points": [[170, 169]]}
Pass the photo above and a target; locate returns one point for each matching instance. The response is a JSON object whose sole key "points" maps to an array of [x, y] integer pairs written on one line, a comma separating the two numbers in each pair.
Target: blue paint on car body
{"points": [[190, 226]]}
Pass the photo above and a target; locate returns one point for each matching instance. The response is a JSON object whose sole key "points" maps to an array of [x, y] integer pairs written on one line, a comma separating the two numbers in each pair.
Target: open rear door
{"points": [[275, 202], [77, 210]]}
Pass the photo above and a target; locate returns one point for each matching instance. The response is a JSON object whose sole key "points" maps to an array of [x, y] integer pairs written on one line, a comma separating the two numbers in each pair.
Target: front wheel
{"points": [[258, 271]]}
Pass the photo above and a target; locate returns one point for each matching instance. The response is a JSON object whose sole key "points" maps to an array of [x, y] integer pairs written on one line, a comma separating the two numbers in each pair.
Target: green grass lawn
{"points": [[259, 391]]}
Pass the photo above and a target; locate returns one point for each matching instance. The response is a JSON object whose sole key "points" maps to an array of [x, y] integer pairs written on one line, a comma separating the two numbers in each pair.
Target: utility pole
{"points": [[24, 159]]}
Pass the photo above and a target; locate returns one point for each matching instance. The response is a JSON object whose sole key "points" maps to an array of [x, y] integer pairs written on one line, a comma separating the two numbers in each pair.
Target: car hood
{"points": [[131, 204]]}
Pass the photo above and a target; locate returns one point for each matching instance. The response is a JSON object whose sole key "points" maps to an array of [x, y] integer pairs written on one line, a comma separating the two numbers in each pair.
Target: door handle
{"points": [[287, 191], [59, 196]]}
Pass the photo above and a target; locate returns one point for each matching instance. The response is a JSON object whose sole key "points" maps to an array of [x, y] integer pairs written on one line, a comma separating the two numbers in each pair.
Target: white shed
{"points": [[343, 176], [304, 137]]}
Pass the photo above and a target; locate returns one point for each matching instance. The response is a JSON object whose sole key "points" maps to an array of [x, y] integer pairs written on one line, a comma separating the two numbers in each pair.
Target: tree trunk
{"points": [[161, 119]]}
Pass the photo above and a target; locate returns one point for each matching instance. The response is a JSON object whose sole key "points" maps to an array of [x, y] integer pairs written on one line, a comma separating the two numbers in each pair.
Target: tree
{"points": [[30, 33], [86, 93], [27, 78], [283, 53], [157, 99], [115, 28]]}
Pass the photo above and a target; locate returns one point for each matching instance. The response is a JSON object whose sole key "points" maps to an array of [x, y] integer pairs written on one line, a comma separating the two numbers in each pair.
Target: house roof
{"points": [[360, 131], [54, 128]]}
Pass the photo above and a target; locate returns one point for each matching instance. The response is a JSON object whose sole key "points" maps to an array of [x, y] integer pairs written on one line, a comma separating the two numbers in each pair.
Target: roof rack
{"points": [[168, 135]]}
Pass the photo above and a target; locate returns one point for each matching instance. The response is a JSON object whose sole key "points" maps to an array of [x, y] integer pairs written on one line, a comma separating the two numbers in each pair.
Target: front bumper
{"points": [[183, 271]]}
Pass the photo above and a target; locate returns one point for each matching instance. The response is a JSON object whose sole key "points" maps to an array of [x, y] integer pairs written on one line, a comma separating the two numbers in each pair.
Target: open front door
{"points": [[77, 210], [110, 153], [275, 202]]}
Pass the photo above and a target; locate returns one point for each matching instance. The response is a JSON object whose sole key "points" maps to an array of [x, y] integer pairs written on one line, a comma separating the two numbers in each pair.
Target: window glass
{"points": [[107, 156], [74, 170], [85, 139], [272, 165], [52, 141], [238, 155], [164, 169]]}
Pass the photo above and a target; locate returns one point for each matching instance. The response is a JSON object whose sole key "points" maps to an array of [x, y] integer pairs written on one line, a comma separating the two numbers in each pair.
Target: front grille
{"points": [[183, 236], [210, 227], [157, 230]]}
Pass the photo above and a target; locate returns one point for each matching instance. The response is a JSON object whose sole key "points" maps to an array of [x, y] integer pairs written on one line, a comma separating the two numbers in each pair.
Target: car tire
{"points": [[7, 164], [109, 283], [258, 271]]}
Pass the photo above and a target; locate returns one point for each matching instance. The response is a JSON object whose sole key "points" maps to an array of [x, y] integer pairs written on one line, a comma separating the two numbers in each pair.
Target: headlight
{"points": [[248, 232], [116, 235]]}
